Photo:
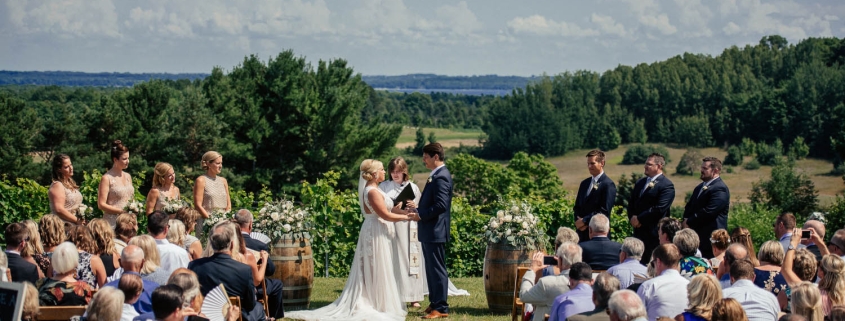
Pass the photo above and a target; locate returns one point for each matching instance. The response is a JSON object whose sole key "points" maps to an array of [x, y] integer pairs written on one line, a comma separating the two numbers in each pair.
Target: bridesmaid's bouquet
{"points": [[135, 207], [84, 212], [282, 219], [515, 225], [215, 216], [171, 206]]}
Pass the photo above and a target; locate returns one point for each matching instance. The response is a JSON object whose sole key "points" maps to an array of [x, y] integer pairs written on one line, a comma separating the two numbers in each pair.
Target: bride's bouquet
{"points": [[282, 219], [171, 206], [515, 225], [134, 207]]}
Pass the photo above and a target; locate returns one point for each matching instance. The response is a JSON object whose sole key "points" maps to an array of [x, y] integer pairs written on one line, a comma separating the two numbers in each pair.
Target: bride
{"points": [[371, 292]]}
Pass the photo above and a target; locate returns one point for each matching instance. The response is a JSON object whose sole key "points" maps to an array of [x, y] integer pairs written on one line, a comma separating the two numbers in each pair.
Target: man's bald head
{"points": [[816, 225], [132, 258], [735, 252]]}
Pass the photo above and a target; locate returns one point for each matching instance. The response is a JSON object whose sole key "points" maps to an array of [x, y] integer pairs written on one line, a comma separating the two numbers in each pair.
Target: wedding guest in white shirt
{"points": [[666, 294], [629, 262], [542, 291], [625, 305], [758, 303], [172, 256]]}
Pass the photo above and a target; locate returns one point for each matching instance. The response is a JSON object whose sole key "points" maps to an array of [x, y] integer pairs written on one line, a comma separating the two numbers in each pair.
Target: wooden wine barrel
{"points": [[500, 263], [295, 268]]}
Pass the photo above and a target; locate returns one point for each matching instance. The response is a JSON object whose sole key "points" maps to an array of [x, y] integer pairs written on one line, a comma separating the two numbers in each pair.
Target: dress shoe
{"points": [[436, 315], [428, 310]]}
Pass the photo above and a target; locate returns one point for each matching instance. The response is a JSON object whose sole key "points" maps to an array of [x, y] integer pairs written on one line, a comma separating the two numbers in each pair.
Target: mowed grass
{"points": [[446, 137], [473, 307]]}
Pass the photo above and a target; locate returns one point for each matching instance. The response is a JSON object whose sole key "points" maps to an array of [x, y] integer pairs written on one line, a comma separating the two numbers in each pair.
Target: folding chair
{"points": [[518, 308]]}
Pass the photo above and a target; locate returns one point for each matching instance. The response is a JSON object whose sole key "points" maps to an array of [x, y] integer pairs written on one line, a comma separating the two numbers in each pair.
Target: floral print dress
{"points": [[60, 293], [692, 266]]}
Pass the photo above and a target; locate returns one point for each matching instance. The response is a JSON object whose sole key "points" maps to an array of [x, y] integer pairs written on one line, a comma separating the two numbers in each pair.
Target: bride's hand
{"points": [[397, 208]]}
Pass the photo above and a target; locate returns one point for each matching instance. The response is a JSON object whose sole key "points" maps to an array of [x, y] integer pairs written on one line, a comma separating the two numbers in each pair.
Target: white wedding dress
{"points": [[371, 292]]}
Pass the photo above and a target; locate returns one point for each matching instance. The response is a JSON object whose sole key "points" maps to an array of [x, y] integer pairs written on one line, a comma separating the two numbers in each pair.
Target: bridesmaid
{"points": [[116, 188], [163, 178], [211, 191], [64, 194]]}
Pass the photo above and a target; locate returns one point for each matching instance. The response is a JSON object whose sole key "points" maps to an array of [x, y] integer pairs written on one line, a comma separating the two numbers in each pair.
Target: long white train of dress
{"points": [[371, 292]]}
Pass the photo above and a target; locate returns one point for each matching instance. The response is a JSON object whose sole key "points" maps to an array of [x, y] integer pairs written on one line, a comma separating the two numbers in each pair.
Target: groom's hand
{"points": [[411, 204]]}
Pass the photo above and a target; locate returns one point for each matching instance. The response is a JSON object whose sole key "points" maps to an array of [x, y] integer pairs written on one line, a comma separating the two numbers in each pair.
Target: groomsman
{"points": [[595, 195], [650, 201], [707, 209]]}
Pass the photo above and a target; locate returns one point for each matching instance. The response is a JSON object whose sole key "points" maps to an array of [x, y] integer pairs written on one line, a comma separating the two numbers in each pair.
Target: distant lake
{"points": [[470, 92]]}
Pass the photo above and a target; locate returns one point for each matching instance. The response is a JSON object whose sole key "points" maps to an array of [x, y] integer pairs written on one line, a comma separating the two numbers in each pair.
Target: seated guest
{"points": [[837, 313], [703, 292], [91, 268], [600, 252], [132, 262], [807, 301], [4, 267], [728, 310], [666, 229], [167, 303], [720, 239], [32, 251], [741, 235], [625, 305], [151, 271], [274, 286], [603, 287], [767, 275], [103, 235], [732, 254], [188, 216], [832, 282], [687, 242], [30, 309], [107, 305], [125, 229], [172, 256], [564, 234], [220, 268], [759, 304], [52, 230], [629, 262], [798, 266], [22, 271], [580, 298], [63, 289], [837, 243], [666, 294], [809, 243], [187, 280], [132, 287], [542, 291]]}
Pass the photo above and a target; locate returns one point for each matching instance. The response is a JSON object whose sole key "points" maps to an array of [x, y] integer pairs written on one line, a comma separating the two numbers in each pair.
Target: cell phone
{"points": [[805, 234], [549, 260]]}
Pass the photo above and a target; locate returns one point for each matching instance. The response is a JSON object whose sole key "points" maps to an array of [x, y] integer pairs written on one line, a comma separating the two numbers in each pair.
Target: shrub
{"points": [[787, 190], [690, 162], [465, 251], [769, 155], [729, 169], [748, 147], [799, 149], [758, 221], [734, 157], [637, 154], [624, 188], [752, 165]]}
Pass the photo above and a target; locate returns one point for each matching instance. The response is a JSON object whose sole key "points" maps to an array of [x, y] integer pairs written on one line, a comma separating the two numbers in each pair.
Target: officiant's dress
{"points": [[371, 292], [408, 250]]}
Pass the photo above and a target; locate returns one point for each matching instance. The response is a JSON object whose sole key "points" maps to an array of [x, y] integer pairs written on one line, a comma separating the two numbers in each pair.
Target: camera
{"points": [[805, 234]]}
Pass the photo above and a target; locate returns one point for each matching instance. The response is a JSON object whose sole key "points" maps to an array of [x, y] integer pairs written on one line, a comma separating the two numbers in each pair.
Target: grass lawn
{"points": [[473, 307], [446, 137]]}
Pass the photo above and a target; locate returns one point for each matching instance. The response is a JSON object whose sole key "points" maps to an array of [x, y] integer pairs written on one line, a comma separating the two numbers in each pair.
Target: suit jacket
{"points": [[22, 271], [600, 201], [599, 314], [257, 245], [236, 277], [709, 211], [435, 207], [652, 205], [600, 252], [542, 295]]}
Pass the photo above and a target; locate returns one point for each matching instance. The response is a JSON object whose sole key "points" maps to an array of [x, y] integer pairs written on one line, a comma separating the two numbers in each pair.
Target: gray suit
{"points": [[599, 314], [542, 295]]}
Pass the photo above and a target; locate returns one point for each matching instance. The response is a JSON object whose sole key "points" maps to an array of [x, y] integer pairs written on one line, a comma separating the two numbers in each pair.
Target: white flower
{"points": [[508, 232], [286, 227], [515, 209], [275, 216], [500, 214], [508, 218], [263, 210], [494, 225], [518, 219], [525, 225]]}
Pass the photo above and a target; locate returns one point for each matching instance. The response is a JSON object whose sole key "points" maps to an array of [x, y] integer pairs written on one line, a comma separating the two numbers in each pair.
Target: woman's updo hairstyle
{"points": [[118, 149], [209, 157], [160, 173], [57, 163], [369, 167]]}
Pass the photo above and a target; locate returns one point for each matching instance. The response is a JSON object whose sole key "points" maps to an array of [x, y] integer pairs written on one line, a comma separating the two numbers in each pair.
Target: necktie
{"points": [[590, 189], [648, 181]]}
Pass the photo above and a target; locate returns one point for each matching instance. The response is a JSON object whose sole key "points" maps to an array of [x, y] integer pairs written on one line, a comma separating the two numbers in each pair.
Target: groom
{"points": [[434, 216]]}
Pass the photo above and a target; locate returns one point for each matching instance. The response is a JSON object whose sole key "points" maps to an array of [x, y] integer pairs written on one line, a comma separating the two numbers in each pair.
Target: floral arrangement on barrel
{"points": [[283, 220], [515, 225]]}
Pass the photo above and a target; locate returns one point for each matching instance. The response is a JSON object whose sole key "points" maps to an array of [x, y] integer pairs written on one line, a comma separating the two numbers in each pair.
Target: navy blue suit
{"points": [[650, 207], [274, 286], [600, 252], [236, 277], [434, 226], [600, 201], [22, 271], [708, 212]]}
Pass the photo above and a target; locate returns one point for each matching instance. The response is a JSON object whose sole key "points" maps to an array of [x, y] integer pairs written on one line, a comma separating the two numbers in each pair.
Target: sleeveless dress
{"points": [[214, 197], [119, 195], [161, 196], [73, 198], [84, 271], [371, 292]]}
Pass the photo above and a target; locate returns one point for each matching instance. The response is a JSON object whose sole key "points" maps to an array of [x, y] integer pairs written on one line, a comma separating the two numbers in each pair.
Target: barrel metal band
{"points": [[297, 287], [289, 258]]}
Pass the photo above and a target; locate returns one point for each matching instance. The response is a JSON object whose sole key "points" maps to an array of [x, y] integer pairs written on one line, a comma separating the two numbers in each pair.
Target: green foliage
{"points": [[420, 142], [624, 188], [465, 250], [690, 162], [21, 200], [799, 149], [769, 155], [752, 165], [758, 220], [835, 214], [607, 138], [748, 147], [787, 190], [734, 157], [637, 154], [17, 137], [432, 138], [693, 131]]}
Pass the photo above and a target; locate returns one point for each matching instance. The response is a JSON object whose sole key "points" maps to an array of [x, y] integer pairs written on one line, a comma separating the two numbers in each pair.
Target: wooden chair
{"points": [[518, 308], [56, 313], [263, 299], [9, 275], [236, 301]]}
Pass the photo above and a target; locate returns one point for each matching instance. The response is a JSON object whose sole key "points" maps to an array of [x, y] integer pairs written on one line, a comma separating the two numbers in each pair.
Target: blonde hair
{"points": [[33, 246], [148, 245], [703, 292], [833, 281], [190, 284], [107, 304], [807, 301], [188, 216], [771, 252], [742, 236], [103, 235], [209, 157], [160, 172], [722, 239], [30, 303], [369, 168], [81, 236], [52, 230], [176, 233], [728, 309], [565, 234]]}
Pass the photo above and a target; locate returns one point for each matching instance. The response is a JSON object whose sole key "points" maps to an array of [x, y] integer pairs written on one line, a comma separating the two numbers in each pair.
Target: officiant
{"points": [[400, 188]]}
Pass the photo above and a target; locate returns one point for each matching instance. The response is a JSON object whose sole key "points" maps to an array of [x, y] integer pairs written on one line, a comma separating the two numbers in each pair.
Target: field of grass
{"points": [[446, 137], [473, 307]]}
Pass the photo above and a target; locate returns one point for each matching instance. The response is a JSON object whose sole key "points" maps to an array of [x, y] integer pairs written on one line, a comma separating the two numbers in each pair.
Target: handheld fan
{"points": [[216, 304], [260, 237]]}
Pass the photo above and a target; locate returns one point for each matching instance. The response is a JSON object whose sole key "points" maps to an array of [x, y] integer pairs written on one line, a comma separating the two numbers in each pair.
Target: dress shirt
{"points": [[542, 295], [625, 271], [704, 186], [725, 281], [648, 181], [144, 303], [592, 183], [577, 300], [172, 256], [665, 295], [784, 241], [128, 312], [758, 304]]}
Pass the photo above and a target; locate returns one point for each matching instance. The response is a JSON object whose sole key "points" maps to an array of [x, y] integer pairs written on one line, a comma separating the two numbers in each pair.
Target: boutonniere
{"points": [[429, 179], [651, 185], [704, 188], [596, 186]]}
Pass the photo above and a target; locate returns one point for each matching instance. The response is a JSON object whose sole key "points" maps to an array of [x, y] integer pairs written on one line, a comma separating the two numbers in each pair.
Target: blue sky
{"points": [[392, 37]]}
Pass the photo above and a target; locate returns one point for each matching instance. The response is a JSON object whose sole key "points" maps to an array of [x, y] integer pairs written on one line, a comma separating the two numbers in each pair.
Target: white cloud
{"points": [[648, 14], [731, 29], [695, 17], [459, 18], [608, 25], [728, 7], [65, 18], [539, 25]]}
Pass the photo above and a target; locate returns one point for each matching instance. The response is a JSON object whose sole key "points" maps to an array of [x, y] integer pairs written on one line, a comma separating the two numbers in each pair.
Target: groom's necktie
{"points": [[590, 188]]}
